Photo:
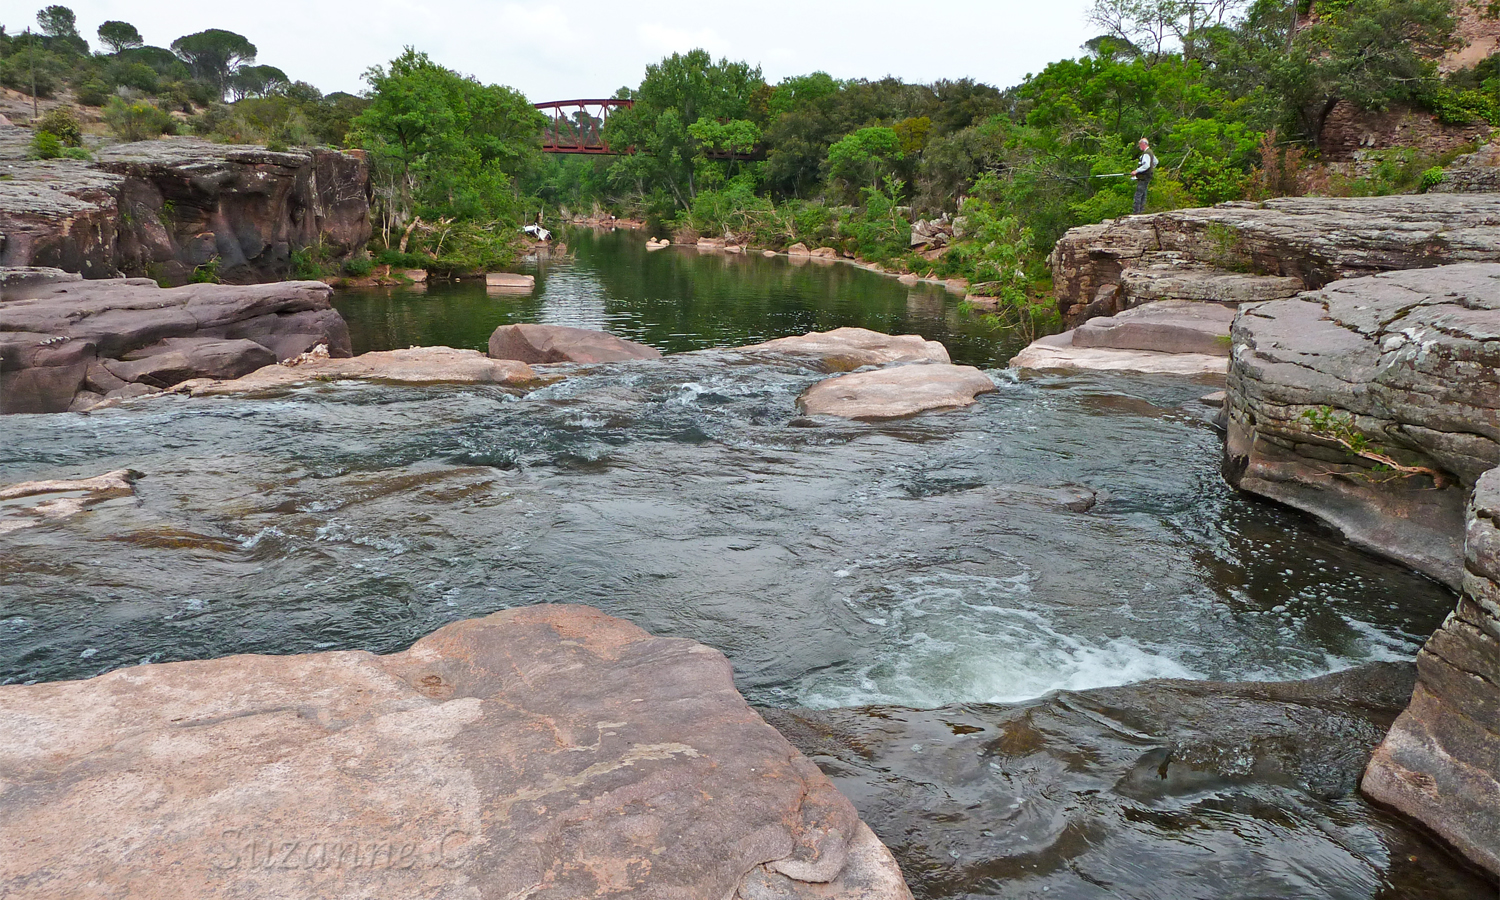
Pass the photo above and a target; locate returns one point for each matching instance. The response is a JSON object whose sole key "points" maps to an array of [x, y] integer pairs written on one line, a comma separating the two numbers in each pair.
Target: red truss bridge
{"points": [[577, 126]]}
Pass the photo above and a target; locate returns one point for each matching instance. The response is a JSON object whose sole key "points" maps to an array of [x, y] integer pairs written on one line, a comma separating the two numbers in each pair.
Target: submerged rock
{"points": [[542, 752], [61, 336], [1246, 251], [845, 349], [415, 365], [560, 344], [1373, 404], [34, 502], [896, 391], [1190, 789], [1440, 764]]}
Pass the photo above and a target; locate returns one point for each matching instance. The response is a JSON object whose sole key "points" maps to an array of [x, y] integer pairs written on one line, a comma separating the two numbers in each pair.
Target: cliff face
{"points": [[1440, 763], [163, 208], [1243, 252], [1331, 391]]}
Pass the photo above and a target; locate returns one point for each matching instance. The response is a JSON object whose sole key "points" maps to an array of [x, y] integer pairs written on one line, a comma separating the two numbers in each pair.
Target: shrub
{"points": [[358, 266], [45, 145], [76, 153], [137, 120], [92, 93], [62, 123], [1431, 179]]}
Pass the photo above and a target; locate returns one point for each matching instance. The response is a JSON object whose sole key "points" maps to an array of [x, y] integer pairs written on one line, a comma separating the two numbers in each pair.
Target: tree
{"points": [[256, 81], [214, 55], [678, 92], [442, 143], [58, 22], [119, 36], [862, 158]]}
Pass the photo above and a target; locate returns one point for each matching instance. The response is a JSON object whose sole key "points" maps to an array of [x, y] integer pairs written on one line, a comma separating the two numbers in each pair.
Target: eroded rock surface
{"points": [[560, 344], [1246, 252], [163, 208], [63, 339], [1440, 764], [415, 365], [542, 752], [846, 349], [1404, 366], [895, 391]]}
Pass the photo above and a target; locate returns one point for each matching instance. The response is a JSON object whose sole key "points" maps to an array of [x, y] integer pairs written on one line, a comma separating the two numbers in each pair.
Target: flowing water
{"points": [[1062, 533]]}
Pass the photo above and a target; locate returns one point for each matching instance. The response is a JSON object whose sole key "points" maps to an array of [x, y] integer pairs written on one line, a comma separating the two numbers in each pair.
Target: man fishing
{"points": [[1143, 173]]}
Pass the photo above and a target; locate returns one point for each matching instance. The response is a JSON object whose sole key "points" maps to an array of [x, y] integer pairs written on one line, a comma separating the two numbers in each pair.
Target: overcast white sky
{"points": [[589, 48]]}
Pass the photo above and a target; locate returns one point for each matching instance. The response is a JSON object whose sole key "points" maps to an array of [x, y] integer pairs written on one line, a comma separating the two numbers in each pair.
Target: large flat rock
{"points": [[846, 349], [561, 344], [1166, 326], [1406, 362], [895, 391], [542, 752], [1057, 352], [1440, 763], [414, 365], [1312, 240], [65, 340]]}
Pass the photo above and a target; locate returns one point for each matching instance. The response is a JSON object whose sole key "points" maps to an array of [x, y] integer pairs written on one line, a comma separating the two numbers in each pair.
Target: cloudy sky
{"points": [[588, 48]]}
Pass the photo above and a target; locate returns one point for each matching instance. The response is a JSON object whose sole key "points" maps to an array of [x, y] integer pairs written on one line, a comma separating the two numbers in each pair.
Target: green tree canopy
{"points": [[257, 81], [677, 93], [57, 22], [860, 159], [443, 143], [214, 55], [119, 36]]}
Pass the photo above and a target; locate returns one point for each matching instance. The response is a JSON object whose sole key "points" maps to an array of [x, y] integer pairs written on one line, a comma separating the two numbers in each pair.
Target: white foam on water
{"points": [[973, 639]]}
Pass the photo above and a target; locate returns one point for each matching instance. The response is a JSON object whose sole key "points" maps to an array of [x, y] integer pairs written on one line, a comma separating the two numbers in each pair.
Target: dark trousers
{"points": [[1142, 187]]}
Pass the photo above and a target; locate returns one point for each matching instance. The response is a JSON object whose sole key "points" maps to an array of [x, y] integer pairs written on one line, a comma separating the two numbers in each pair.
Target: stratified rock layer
{"points": [[1404, 365], [561, 344], [1440, 763], [1246, 252], [543, 752], [164, 208], [896, 391], [65, 340]]}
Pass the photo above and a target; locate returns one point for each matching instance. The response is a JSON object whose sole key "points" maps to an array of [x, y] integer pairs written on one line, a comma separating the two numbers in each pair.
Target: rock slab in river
{"points": [[414, 365], [1057, 352], [560, 344], [1166, 326], [896, 391], [63, 338], [845, 349], [541, 752], [1245, 252], [1410, 362], [1440, 764]]}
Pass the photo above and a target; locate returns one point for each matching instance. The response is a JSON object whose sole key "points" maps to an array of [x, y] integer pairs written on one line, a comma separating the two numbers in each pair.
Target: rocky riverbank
{"points": [[1246, 252], [548, 751], [67, 343], [163, 209]]}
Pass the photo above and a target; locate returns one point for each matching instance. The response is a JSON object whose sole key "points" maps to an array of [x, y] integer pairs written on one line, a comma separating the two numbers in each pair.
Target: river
{"points": [[1064, 533]]}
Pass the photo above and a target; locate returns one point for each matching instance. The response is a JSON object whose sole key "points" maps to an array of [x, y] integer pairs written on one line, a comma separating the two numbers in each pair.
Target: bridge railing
{"points": [[577, 126]]}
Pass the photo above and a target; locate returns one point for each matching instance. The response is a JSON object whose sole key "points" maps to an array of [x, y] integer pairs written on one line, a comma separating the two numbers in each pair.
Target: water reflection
{"points": [[674, 299]]}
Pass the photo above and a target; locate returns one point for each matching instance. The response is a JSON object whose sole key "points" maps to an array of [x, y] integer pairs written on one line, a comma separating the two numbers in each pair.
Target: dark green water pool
{"points": [[674, 299]]}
